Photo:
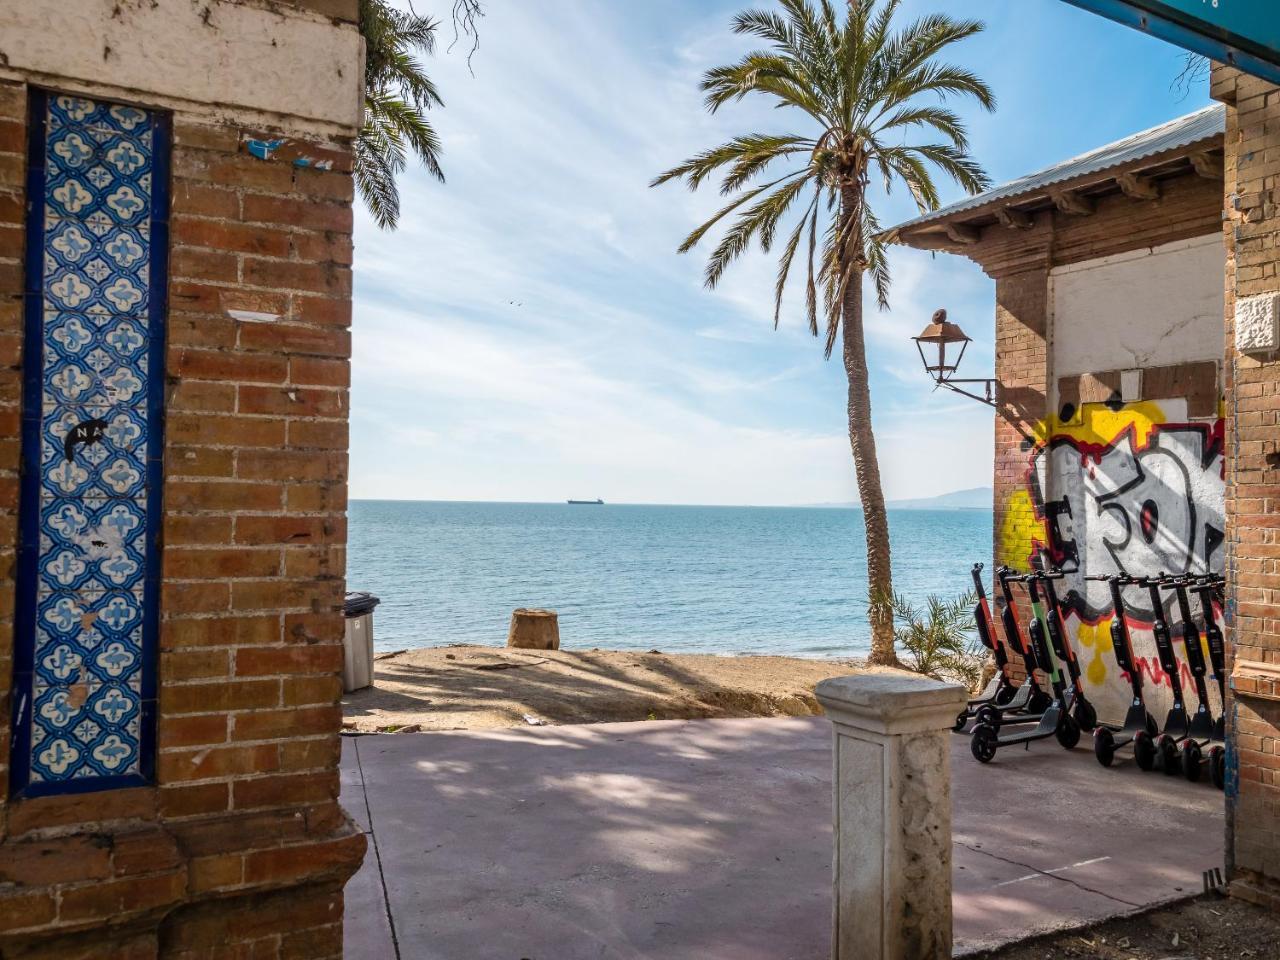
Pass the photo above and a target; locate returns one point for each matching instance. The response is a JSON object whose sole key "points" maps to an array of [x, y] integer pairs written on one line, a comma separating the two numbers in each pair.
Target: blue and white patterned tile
{"points": [[93, 361], [86, 542], [103, 272], [87, 621], [93, 452], [87, 728], [80, 112], [88, 644]]}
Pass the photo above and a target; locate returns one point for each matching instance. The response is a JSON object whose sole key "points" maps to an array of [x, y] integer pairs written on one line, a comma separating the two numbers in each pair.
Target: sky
{"points": [[529, 333]]}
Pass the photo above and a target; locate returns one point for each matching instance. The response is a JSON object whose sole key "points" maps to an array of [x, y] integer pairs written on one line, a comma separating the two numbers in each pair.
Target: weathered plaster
{"points": [[302, 70], [1146, 308]]}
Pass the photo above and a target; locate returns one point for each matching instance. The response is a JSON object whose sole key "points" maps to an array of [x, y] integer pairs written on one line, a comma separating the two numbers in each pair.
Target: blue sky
{"points": [[530, 334]]}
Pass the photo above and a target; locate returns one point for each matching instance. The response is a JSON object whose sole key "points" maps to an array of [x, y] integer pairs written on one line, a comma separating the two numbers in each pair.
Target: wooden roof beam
{"points": [[959, 233], [1015, 219], [1069, 201], [1137, 187], [1207, 165]]}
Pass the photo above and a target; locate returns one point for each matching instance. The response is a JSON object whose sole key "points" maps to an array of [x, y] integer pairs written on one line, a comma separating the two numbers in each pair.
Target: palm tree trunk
{"points": [[863, 442]]}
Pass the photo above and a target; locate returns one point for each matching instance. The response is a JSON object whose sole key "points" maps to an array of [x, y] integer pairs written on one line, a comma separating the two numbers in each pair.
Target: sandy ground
{"points": [[1207, 928], [473, 687]]}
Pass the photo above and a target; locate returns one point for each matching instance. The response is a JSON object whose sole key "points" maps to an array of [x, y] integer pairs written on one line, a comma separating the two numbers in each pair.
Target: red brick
{"points": [[290, 530], [177, 666], [292, 401], [196, 531], [320, 372], [144, 851], [287, 723], [43, 862], [318, 434], [290, 465], [201, 200], [295, 338], [223, 235], [292, 659], [226, 431], [25, 911], [217, 564], [218, 696], [227, 366], [209, 763], [223, 496], [194, 800], [121, 898], [193, 731], [298, 211]]}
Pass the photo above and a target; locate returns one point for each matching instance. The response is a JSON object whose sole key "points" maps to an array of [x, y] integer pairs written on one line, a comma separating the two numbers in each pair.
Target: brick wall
{"points": [[1252, 614], [1022, 311], [245, 809]]}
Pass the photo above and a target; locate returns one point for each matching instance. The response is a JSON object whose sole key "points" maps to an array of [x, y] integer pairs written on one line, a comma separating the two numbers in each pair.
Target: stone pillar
{"points": [[892, 812], [1252, 437]]}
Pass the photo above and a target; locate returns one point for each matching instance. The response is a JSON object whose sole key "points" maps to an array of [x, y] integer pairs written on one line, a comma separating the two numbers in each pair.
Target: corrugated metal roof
{"points": [[1194, 127]]}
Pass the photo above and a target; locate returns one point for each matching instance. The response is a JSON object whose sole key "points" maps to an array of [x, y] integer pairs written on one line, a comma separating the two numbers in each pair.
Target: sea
{"points": [[680, 579]]}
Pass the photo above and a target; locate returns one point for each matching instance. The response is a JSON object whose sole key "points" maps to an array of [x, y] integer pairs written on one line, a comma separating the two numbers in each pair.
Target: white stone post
{"points": [[891, 868]]}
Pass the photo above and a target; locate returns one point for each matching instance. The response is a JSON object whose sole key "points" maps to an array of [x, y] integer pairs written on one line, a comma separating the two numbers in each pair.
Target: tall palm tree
{"points": [[861, 87], [396, 95]]}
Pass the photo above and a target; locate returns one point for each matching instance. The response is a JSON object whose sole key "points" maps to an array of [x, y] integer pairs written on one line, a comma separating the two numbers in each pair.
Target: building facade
{"points": [[175, 300], [1137, 332]]}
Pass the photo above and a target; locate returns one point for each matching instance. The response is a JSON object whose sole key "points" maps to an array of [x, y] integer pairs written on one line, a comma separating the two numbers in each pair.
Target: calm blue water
{"points": [[681, 579]]}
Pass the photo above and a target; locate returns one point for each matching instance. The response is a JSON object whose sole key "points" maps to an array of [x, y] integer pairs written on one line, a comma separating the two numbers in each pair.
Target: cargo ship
{"points": [[584, 502]]}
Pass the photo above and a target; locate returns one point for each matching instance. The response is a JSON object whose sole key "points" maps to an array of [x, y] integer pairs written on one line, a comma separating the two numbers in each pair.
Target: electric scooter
{"points": [[1204, 728], [1176, 723], [1056, 721], [1030, 701], [1000, 689], [1208, 589], [1081, 709], [1106, 739]]}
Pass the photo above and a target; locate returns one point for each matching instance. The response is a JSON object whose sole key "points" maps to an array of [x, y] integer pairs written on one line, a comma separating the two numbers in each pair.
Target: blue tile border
{"points": [[88, 566]]}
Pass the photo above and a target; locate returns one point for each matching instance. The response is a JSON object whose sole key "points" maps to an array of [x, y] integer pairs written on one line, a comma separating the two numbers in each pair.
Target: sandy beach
{"points": [[464, 687]]}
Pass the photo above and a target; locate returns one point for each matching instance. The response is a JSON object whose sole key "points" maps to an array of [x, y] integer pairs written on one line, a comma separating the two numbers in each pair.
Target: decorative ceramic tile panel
{"points": [[88, 572]]}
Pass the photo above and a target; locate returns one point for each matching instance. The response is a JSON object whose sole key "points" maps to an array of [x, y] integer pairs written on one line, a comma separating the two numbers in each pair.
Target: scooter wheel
{"points": [[1039, 702], [983, 744], [1005, 694], [1068, 732], [1085, 715], [987, 715], [1170, 762], [1104, 746], [1218, 766], [962, 721], [1144, 750], [1191, 760]]}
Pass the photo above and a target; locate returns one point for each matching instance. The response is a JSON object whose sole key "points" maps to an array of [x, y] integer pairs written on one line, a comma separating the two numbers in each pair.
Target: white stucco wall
{"points": [[298, 70], [1147, 308]]}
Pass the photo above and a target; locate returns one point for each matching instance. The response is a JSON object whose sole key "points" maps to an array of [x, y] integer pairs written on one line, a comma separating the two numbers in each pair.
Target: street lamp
{"points": [[944, 335]]}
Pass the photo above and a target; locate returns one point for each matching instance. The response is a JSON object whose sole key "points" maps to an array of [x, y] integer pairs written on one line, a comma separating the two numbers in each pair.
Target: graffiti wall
{"points": [[1133, 488]]}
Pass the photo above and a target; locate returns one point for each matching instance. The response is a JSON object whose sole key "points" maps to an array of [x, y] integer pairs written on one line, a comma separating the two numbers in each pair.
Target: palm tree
{"points": [[862, 88], [396, 95]]}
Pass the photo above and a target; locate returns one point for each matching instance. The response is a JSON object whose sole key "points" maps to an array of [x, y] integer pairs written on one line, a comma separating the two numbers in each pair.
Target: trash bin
{"points": [[357, 643]]}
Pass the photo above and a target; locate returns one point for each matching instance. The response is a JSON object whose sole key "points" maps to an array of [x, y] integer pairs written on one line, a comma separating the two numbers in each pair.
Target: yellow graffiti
{"points": [[1099, 425], [1018, 528], [1096, 637], [1021, 526]]}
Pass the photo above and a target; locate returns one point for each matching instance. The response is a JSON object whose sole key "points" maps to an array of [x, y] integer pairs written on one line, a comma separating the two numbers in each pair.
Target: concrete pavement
{"points": [[711, 839]]}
